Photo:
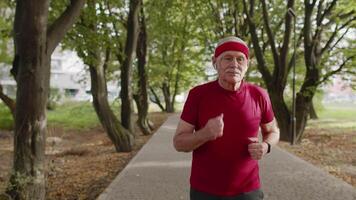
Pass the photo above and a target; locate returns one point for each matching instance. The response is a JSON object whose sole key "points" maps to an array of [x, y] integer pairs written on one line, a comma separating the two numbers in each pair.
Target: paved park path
{"points": [[158, 172]]}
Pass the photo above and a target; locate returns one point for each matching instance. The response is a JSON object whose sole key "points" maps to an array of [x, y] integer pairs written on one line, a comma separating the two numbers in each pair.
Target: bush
{"points": [[53, 99]]}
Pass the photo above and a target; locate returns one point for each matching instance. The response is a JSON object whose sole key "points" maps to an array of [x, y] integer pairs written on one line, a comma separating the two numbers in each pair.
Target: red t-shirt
{"points": [[223, 166]]}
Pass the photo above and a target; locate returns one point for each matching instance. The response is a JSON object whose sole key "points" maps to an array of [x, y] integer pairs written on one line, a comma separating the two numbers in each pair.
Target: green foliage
{"points": [[6, 120], [176, 53], [6, 22], [101, 27]]}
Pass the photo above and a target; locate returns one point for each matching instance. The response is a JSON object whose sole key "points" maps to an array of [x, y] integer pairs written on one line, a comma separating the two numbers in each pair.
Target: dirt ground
{"points": [[332, 150], [80, 164], [83, 163]]}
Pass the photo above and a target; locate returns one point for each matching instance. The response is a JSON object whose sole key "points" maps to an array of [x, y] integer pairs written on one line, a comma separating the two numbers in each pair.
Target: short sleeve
{"points": [[190, 109], [267, 110]]}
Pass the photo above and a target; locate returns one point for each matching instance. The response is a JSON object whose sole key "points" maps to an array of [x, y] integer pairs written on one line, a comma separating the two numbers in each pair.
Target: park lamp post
{"points": [[293, 118]]}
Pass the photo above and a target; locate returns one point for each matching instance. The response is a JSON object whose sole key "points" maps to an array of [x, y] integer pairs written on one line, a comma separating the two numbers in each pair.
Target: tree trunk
{"points": [[10, 103], [305, 99], [142, 97], [28, 178], [126, 68], [313, 114], [167, 98], [311, 59], [121, 138], [282, 113], [34, 44], [170, 106], [142, 120], [32, 75], [302, 111]]}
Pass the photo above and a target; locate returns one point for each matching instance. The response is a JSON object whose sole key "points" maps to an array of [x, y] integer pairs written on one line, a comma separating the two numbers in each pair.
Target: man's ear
{"points": [[213, 60]]}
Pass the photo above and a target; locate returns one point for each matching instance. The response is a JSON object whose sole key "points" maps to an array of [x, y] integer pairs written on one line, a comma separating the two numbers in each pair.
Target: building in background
{"points": [[69, 79]]}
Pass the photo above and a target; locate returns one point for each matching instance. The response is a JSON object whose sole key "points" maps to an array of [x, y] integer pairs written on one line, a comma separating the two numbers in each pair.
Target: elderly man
{"points": [[220, 123]]}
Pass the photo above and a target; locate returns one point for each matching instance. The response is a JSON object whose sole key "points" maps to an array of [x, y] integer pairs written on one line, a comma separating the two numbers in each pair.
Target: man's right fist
{"points": [[214, 127]]}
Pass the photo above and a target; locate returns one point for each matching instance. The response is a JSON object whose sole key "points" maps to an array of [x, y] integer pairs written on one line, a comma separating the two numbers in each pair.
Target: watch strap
{"points": [[269, 147]]}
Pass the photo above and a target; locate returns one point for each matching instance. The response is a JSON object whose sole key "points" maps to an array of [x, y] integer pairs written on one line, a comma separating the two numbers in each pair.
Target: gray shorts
{"points": [[253, 195]]}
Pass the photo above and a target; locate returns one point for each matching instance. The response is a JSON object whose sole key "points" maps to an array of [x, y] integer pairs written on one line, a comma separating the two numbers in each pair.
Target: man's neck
{"points": [[230, 86]]}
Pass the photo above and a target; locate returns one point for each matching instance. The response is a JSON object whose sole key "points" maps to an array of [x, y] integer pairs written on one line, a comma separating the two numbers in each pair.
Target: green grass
{"points": [[341, 116], [6, 120], [79, 115], [339, 112], [73, 115]]}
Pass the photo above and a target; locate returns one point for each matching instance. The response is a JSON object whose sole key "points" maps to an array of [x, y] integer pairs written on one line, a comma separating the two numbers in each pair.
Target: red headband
{"points": [[231, 46]]}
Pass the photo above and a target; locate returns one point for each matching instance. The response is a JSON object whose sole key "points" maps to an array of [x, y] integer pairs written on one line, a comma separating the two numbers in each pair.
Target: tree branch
{"points": [[287, 33], [234, 14], [332, 37], [290, 64], [271, 40], [313, 3], [330, 73], [319, 13], [327, 11], [320, 17], [156, 99], [59, 27], [340, 38], [10, 103], [343, 15], [307, 35], [220, 29], [262, 66], [283, 65], [120, 53]]}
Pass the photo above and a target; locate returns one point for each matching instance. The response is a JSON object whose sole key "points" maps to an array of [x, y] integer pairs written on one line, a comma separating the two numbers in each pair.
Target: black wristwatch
{"points": [[269, 147]]}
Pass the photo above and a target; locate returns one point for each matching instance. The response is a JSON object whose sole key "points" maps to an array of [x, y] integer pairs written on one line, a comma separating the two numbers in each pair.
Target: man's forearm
{"points": [[271, 138], [270, 132], [187, 142]]}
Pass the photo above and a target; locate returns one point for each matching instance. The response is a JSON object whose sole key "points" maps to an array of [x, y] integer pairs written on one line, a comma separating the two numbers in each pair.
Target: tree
{"points": [[226, 19], [34, 43], [91, 39], [275, 73], [320, 42], [126, 67], [175, 51], [223, 18], [277, 80], [141, 96]]}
